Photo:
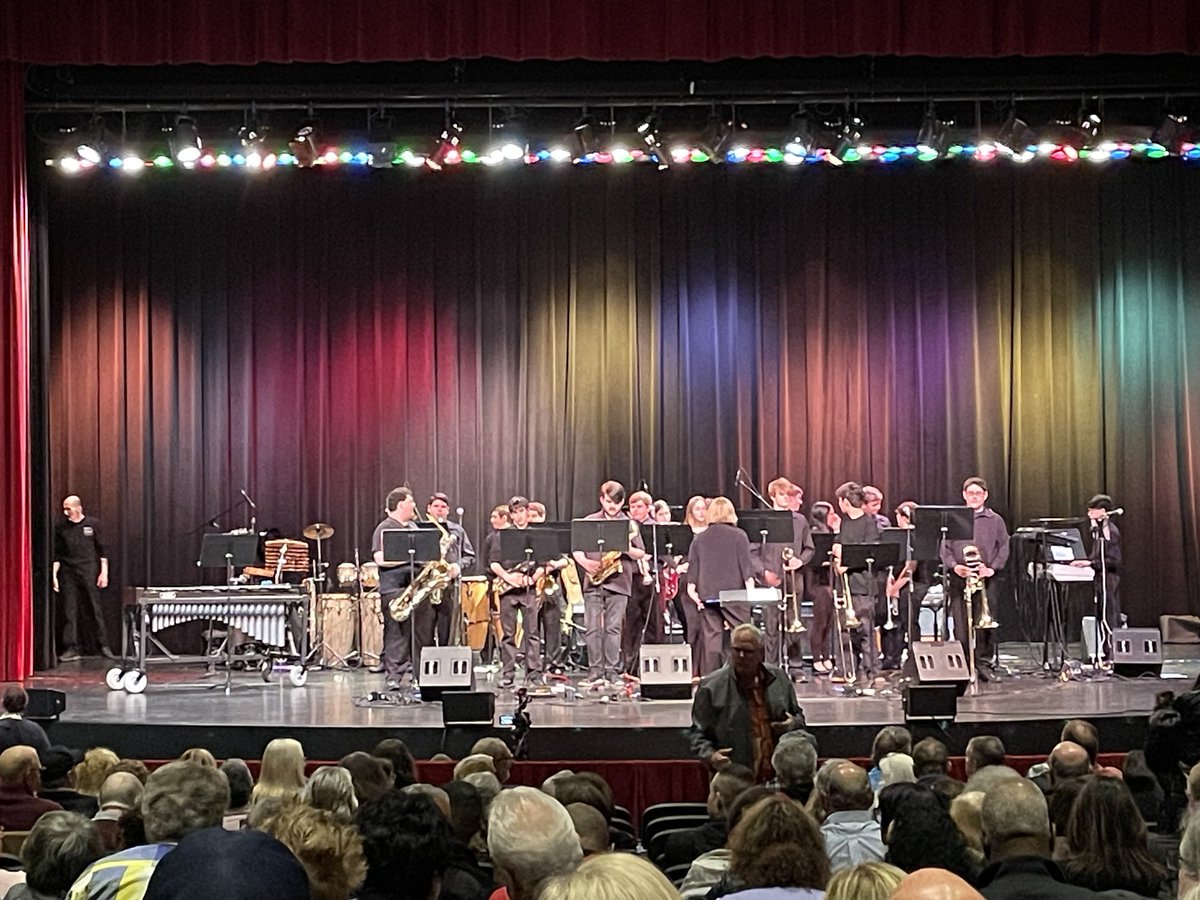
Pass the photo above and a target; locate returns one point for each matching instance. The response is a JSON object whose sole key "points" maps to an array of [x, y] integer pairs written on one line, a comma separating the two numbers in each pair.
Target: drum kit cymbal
{"points": [[319, 531]]}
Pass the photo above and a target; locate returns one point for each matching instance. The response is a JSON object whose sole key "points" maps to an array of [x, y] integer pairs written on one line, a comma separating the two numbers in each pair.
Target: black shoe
{"points": [[70, 655], [377, 670], [106, 652]]}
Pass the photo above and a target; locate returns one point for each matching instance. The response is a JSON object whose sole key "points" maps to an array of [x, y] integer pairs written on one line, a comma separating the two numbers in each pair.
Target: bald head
{"points": [[17, 765], [1068, 760], [935, 884], [121, 790], [845, 786], [1013, 810]]}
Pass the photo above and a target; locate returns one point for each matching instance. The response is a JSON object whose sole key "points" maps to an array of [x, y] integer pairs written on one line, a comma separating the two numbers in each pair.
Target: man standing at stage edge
{"points": [[80, 574]]}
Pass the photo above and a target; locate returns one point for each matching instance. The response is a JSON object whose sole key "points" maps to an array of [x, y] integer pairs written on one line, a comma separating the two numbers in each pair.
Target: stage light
{"points": [[849, 135], [1171, 131], [252, 134], [717, 133], [69, 164], [933, 135], [381, 138], [1015, 137], [90, 145], [512, 142], [447, 152], [560, 154], [1088, 123], [303, 145], [184, 139], [132, 164], [801, 135]]}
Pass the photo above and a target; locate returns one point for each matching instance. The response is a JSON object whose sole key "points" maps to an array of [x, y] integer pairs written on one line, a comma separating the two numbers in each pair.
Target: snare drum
{"points": [[370, 575], [372, 629], [473, 599], [336, 614]]}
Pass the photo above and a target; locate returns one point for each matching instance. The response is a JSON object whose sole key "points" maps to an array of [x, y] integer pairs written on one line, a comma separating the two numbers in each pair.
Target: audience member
{"points": [[15, 729], [530, 838], [919, 833], [332, 788], [983, 750], [1067, 760], [200, 756], [990, 776], [20, 782], [470, 765], [1103, 819], [724, 787], [930, 757], [1061, 802], [463, 878], [405, 840], [966, 811], [1189, 857], [59, 847], [241, 787], [866, 881], [370, 774], [889, 739], [935, 884], [579, 789], [487, 786], [777, 845], [896, 768], [328, 845], [795, 765], [502, 756], [610, 876], [58, 780], [466, 810], [593, 831], [1084, 734], [180, 798], [120, 793], [282, 771], [944, 786], [1147, 792], [1016, 834], [96, 766], [548, 784], [133, 767], [241, 865], [439, 797], [849, 828], [707, 871], [396, 752]]}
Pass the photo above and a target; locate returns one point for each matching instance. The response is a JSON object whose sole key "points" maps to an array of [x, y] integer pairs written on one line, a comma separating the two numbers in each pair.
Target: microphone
{"points": [[1119, 511], [459, 512], [253, 505]]}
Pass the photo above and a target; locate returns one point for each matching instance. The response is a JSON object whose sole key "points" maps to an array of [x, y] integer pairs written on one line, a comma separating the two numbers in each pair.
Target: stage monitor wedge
{"points": [[942, 662], [666, 672], [445, 669], [1137, 651]]}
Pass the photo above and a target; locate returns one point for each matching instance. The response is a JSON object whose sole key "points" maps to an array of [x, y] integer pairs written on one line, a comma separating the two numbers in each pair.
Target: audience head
{"points": [[487, 786], [965, 813], [121, 790], [984, 750], [892, 797], [466, 810], [725, 786], [943, 786], [1015, 820], [476, 762], [844, 787], [1189, 856], [1085, 734], [593, 831], [241, 782], [778, 844], [332, 788], [327, 845], [896, 768], [1061, 801], [198, 755], [530, 837], [182, 797], [930, 757], [406, 841], [59, 847], [746, 650], [1193, 786], [97, 764], [1068, 760], [919, 833], [20, 768], [134, 767], [233, 865], [745, 801], [582, 787], [890, 739], [935, 884], [15, 699], [282, 770], [58, 765], [1105, 817], [988, 777], [502, 757], [439, 797], [611, 876], [370, 774], [866, 881], [794, 760], [396, 752]]}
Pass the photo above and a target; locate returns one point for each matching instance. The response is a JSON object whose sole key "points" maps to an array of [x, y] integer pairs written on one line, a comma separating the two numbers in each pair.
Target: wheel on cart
{"points": [[266, 669], [134, 681], [298, 676], [114, 677]]}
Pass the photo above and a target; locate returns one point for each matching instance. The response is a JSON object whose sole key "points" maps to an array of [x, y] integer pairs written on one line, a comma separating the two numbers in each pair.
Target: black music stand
{"points": [[903, 539], [411, 546], [872, 557], [767, 526], [1054, 626], [669, 540], [536, 544], [822, 547], [227, 551], [932, 527], [599, 535]]}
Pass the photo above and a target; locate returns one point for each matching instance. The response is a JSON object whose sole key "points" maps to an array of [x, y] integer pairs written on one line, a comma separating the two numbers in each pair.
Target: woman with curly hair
{"points": [[919, 833], [777, 851], [1103, 817]]}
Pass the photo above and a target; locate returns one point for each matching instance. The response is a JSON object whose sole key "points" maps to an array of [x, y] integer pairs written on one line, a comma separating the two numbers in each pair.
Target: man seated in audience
{"points": [[15, 729], [406, 843], [530, 838], [502, 757], [795, 765], [179, 798], [241, 787], [1017, 842], [591, 828], [58, 780], [684, 846], [930, 757], [240, 865], [20, 782], [889, 739], [59, 847], [985, 763], [120, 793], [851, 832], [1067, 760], [934, 884]]}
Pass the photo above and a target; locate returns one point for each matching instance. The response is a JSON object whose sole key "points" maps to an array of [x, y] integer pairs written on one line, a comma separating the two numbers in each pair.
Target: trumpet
{"points": [[893, 602], [791, 600], [975, 585]]}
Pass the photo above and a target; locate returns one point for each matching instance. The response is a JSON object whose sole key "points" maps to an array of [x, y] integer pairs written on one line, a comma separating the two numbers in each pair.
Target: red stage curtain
{"points": [[16, 612], [141, 32]]}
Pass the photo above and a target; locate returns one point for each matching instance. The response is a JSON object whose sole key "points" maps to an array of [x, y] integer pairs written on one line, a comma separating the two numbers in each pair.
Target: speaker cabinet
{"points": [[1137, 651], [666, 672], [944, 662], [468, 707], [445, 669], [45, 703], [930, 702]]}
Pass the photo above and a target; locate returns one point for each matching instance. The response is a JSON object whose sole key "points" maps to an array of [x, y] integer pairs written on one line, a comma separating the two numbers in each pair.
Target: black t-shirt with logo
{"points": [[77, 544]]}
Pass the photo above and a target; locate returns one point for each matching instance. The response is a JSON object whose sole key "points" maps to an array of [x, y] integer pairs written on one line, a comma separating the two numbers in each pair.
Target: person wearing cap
{"points": [[461, 557], [58, 780], [775, 571], [394, 577], [1098, 510], [20, 783], [517, 593], [15, 729]]}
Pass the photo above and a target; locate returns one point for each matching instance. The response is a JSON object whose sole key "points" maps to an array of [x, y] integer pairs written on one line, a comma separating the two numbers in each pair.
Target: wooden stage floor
{"points": [[182, 708]]}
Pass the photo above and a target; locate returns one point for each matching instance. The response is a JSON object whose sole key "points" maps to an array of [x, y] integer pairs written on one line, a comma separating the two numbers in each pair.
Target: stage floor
{"points": [[183, 708]]}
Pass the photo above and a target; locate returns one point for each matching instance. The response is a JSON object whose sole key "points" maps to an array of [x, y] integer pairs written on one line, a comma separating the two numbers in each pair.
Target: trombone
{"points": [[975, 585], [843, 609], [791, 597]]}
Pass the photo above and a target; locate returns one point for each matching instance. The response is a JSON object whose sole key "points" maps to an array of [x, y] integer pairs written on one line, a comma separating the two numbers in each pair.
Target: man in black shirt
{"points": [[447, 616], [517, 594], [80, 574], [859, 528], [1107, 563], [785, 574], [394, 577]]}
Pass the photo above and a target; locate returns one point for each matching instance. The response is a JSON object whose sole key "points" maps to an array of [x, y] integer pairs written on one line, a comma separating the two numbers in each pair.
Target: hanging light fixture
{"points": [[185, 142]]}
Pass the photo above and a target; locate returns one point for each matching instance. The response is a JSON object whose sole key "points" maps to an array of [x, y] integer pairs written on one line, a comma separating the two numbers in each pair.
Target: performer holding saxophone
{"points": [[643, 619], [991, 542], [857, 528], [781, 568], [607, 581], [516, 579], [719, 560], [460, 556], [394, 577]]}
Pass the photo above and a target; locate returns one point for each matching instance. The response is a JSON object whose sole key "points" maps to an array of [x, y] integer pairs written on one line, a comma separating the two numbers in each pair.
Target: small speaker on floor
{"points": [[445, 669], [930, 702], [943, 662], [1137, 651], [468, 707], [666, 672], [45, 703]]}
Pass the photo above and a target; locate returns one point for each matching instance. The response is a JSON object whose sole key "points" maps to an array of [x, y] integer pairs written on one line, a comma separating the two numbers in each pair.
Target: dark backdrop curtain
{"points": [[319, 337]]}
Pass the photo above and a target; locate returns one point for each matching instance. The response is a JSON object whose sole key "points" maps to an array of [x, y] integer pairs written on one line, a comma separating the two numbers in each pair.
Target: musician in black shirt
{"points": [[515, 582], [819, 586], [858, 528], [446, 616], [394, 577], [719, 560], [1109, 562], [80, 574], [785, 574]]}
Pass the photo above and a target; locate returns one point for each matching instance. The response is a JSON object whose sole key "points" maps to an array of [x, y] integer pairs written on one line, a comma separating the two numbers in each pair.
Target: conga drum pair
{"points": [[474, 599]]}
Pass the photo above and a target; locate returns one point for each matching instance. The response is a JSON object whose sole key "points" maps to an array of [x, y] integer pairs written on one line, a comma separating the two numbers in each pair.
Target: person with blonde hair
{"points": [[719, 560], [282, 771], [199, 755], [327, 845], [866, 881], [332, 788], [96, 765], [610, 876], [476, 762]]}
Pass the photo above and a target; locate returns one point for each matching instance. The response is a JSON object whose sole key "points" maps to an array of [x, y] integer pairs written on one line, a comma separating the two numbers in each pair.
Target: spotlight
{"points": [[800, 134], [303, 144], [1015, 135], [648, 130], [90, 146], [587, 134], [513, 144], [849, 134], [252, 134], [185, 140], [934, 133], [1088, 123], [1171, 131], [381, 138], [448, 151], [716, 136]]}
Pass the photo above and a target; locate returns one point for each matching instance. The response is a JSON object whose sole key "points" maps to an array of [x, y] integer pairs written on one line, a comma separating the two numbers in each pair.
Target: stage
{"points": [[182, 708]]}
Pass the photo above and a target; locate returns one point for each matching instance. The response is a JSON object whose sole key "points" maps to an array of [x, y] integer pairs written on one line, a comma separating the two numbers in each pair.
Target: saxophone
{"points": [[610, 560], [434, 578]]}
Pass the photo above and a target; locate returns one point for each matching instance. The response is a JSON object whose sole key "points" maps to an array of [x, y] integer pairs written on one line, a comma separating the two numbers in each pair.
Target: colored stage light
{"points": [[185, 140], [163, 162], [224, 159], [132, 164], [303, 144], [69, 164]]}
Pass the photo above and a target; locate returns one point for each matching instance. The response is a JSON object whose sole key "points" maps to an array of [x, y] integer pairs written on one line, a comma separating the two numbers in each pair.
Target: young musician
{"points": [[551, 601], [605, 601], [858, 528], [719, 560], [491, 546], [643, 620], [1098, 509], [394, 577], [819, 585], [991, 538], [461, 556], [906, 591], [695, 516], [778, 572], [517, 594]]}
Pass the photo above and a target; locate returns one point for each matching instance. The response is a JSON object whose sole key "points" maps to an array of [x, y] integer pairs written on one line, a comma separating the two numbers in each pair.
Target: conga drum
{"points": [[338, 621], [473, 598], [372, 629], [370, 575]]}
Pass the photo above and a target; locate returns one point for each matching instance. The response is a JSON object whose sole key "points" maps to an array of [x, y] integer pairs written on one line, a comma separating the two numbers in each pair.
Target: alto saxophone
{"points": [[610, 561]]}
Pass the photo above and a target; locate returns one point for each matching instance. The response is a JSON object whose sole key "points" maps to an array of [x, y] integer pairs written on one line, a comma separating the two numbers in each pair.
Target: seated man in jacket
{"points": [[684, 846]]}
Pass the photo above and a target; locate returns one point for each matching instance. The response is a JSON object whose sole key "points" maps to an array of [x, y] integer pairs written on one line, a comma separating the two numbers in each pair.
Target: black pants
{"points": [[774, 623], [709, 655], [550, 616], [859, 641], [985, 650], [643, 622], [531, 641], [398, 637], [444, 614], [77, 588]]}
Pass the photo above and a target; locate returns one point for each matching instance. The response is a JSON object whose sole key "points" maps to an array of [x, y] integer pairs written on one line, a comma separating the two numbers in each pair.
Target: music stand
{"points": [[903, 539], [671, 540], [932, 527], [767, 526], [228, 551], [599, 535], [537, 543], [411, 546], [1054, 627], [823, 546], [872, 557]]}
